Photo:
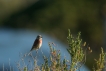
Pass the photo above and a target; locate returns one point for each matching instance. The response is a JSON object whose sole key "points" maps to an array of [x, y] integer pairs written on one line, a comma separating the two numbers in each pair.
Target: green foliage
{"points": [[76, 51], [25, 68], [100, 63]]}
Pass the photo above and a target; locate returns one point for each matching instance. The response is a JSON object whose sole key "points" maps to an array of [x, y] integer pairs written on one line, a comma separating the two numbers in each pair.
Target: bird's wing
{"points": [[35, 44]]}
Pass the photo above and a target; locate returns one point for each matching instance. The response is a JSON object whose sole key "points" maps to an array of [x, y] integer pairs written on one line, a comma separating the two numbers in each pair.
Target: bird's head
{"points": [[39, 37]]}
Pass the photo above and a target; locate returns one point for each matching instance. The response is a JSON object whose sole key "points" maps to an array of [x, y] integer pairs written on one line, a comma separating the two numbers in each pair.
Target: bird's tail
{"points": [[32, 48]]}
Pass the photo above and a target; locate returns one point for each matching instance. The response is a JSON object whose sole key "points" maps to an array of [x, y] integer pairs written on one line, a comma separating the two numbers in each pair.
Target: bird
{"points": [[37, 43]]}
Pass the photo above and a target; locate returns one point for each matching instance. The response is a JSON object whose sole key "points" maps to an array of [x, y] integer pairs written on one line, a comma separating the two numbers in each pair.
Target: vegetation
{"points": [[77, 51]]}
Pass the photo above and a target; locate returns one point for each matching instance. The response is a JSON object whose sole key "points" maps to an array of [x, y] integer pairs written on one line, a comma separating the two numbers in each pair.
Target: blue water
{"points": [[15, 43]]}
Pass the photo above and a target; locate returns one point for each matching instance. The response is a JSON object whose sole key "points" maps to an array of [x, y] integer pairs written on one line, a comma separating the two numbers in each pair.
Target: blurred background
{"points": [[55, 17]]}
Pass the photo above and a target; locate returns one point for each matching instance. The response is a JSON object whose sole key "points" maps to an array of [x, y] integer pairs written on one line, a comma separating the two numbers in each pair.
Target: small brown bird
{"points": [[37, 43]]}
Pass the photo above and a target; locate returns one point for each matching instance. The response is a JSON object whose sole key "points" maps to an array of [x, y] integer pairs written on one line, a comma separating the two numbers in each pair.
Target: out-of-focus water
{"points": [[15, 43]]}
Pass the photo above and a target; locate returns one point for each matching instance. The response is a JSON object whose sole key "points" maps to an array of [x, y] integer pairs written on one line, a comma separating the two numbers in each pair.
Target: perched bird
{"points": [[37, 43]]}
